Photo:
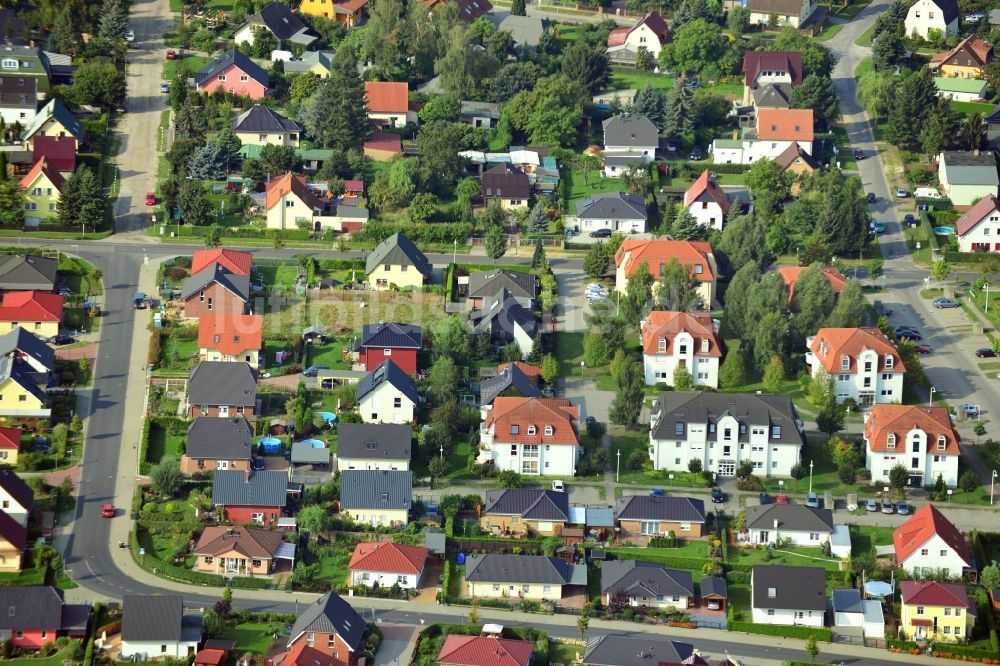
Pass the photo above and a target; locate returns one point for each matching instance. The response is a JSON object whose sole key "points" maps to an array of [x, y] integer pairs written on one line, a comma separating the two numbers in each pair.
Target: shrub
{"points": [[803, 633]]}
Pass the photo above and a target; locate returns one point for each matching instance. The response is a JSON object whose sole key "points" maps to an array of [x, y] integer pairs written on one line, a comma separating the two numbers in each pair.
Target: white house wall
{"points": [[788, 617]]}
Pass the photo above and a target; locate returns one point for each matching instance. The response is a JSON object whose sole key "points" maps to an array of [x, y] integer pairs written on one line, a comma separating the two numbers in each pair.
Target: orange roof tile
{"points": [[279, 186], [707, 186], [656, 253], [484, 651], [530, 370], [10, 438], [921, 526], [388, 556], [510, 419], [40, 167], [232, 333], [898, 420], [386, 141], [791, 274], [387, 97], [235, 261], [300, 654], [666, 325], [618, 36], [976, 214], [978, 49], [31, 306], [785, 124], [831, 344], [350, 6], [210, 657]]}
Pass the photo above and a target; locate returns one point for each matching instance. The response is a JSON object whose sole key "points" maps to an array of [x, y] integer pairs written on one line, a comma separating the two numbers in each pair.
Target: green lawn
{"points": [[594, 583], [178, 353], [739, 599], [595, 183], [853, 8], [163, 446], [972, 107], [866, 37], [254, 637], [865, 537], [622, 79], [569, 352], [791, 556], [331, 354], [458, 461], [185, 66], [279, 277], [57, 659], [78, 275], [864, 67], [566, 654]]}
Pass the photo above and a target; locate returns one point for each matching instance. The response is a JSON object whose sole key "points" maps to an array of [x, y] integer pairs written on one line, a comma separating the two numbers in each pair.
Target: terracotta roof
{"points": [[532, 371], [666, 325], [210, 657], [898, 420], [655, 23], [706, 188], [656, 253], [921, 526], [511, 417], [247, 541], [785, 124], [232, 334], [388, 556], [387, 96], [976, 214], [795, 152], [279, 186], [618, 36], [10, 438], [979, 51], [933, 593], [484, 651], [384, 141], [31, 306], [300, 654], [349, 6], [59, 151], [791, 274], [755, 62], [235, 261], [830, 345], [42, 166]]}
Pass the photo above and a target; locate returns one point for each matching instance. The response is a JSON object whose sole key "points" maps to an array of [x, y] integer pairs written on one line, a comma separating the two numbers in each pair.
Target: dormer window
{"points": [[845, 362], [888, 360], [704, 346], [890, 441], [662, 345], [679, 429], [698, 270], [942, 443], [515, 429], [531, 430], [775, 432], [548, 431]]}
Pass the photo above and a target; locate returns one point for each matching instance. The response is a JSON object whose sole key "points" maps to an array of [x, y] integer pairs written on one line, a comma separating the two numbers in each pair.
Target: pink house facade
{"points": [[233, 72]]}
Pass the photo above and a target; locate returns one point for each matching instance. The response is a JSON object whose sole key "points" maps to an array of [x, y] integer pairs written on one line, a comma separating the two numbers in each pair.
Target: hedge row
{"points": [[673, 561], [143, 446], [445, 580], [968, 257], [805, 633]]}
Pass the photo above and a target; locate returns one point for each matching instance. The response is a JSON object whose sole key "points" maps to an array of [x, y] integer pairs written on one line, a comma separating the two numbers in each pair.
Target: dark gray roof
{"points": [[490, 283], [512, 377], [617, 650], [630, 130], [479, 109], [152, 618], [790, 517], [529, 503], [847, 601], [382, 441], [30, 607], [331, 614], [227, 60], [749, 409], [500, 313], [32, 351], [305, 453], [965, 168], [255, 488], [773, 96], [397, 249], [506, 181], [645, 579], [388, 372], [376, 489], [714, 586], [219, 438], [518, 569], [54, 108], [222, 383], [788, 588], [260, 118], [27, 272], [673, 509], [949, 9], [279, 19], [391, 334], [216, 272], [612, 205], [526, 30]]}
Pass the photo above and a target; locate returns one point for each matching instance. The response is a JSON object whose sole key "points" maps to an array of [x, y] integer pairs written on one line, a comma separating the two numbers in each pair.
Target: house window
{"points": [[943, 553], [515, 429], [947, 612], [310, 639], [770, 611], [678, 428], [662, 345], [814, 536], [548, 431], [958, 612], [775, 432], [387, 352], [331, 641], [9, 63], [163, 649], [255, 563], [685, 527], [888, 360], [397, 402], [244, 78], [647, 527], [546, 589], [942, 443], [845, 362], [890, 441], [222, 77], [924, 551], [531, 430], [947, 630]]}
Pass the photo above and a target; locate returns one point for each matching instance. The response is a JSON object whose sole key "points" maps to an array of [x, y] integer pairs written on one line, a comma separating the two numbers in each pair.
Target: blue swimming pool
{"points": [[329, 417], [944, 231], [314, 443], [271, 444]]}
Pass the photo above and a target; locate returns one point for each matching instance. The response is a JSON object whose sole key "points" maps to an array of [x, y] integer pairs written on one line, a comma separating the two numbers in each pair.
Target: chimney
{"points": [[246, 476], [775, 523]]}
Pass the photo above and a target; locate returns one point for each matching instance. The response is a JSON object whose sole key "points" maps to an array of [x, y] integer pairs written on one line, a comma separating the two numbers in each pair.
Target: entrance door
{"points": [[764, 536], [727, 468], [920, 635]]}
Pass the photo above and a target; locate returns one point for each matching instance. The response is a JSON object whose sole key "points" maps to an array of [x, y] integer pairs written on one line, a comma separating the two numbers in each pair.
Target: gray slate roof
{"points": [[280, 20], [304, 453], [227, 60], [216, 272], [30, 607], [260, 118], [518, 569], [500, 313], [847, 601], [264, 488], [511, 377], [222, 383], [381, 441], [308, 59], [391, 334], [526, 30], [388, 372], [630, 130], [152, 618], [790, 517], [749, 409], [612, 205], [773, 96], [220, 438], [618, 650], [27, 272], [529, 503], [397, 249], [962, 168], [376, 489], [330, 614], [31, 350], [470, 109], [490, 283], [788, 588], [714, 586], [670, 508], [645, 579]]}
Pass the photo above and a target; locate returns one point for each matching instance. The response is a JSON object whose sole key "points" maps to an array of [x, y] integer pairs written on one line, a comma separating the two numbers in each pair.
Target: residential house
{"points": [[707, 202], [714, 588], [927, 15], [397, 263], [507, 321], [617, 211], [795, 13], [978, 230], [642, 517], [647, 584], [346, 12], [468, 10], [864, 364], [42, 187], [790, 274], [384, 340], [531, 511], [234, 261], [320, 62], [13, 543], [680, 339], [628, 140], [232, 338], [233, 72], [311, 454], [960, 90], [27, 272], [620, 650], [53, 120], [488, 650], [59, 152], [797, 523], [383, 146], [377, 497], [484, 286], [650, 32], [389, 103], [939, 612], [374, 446], [512, 379], [27, 368], [250, 496], [850, 610], [967, 177], [387, 564], [797, 162], [480, 114], [788, 595], [330, 627], [922, 439], [928, 544], [527, 31], [278, 20], [35, 615], [32, 62], [219, 388], [17, 499], [763, 69], [507, 184], [387, 395], [215, 290], [290, 201], [967, 60], [993, 125], [260, 126], [10, 445], [37, 311], [241, 551], [18, 100], [521, 576], [217, 443], [723, 430], [775, 131], [532, 436], [657, 254], [155, 626]]}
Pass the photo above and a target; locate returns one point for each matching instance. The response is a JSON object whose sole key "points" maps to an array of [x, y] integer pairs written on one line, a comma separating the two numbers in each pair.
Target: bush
{"points": [[751, 484], [803, 633]]}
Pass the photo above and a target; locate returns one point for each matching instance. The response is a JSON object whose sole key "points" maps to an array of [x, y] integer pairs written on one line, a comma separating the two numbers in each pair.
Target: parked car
{"points": [[902, 192], [922, 349], [985, 352], [871, 505], [718, 497], [591, 421], [656, 492], [692, 85], [714, 604], [781, 499], [888, 506], [766, 499], [877, 226], [909, 220], [258, 463], [974, 17], [902, 508], [139, 301], [904, 327], [871, 198], [313, 370], [59, 340], [969, 409], [558, 486], [164, 87], [908, 335], [130, 35], [107, 511], [600, 233], [812, 501], [859, 154], [696, 154], [150, 198], [171, 54], [945, 303]]}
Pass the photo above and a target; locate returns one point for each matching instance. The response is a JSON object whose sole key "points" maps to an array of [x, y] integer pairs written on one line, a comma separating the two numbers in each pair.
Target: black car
{"points": [[601, 233], [871, 197], [909, 220], [313, 370], [258, 463], [909, 335], [718, 497], [859, 154], [59, 340], [696, 154], [766, 499], [985, 352]]}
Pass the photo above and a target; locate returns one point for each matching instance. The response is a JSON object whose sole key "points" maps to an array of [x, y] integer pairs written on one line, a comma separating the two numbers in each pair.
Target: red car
{"points": [[781, 499], [171, 54], [922, 349], [108, 511], [150, 199]]}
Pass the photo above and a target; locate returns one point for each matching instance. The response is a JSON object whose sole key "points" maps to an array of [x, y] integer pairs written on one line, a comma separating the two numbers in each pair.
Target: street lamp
{"points": [[992, 481], [810, 476], [441, 450], [930, 401], [454, 252], [986, 286], [618, 468]]}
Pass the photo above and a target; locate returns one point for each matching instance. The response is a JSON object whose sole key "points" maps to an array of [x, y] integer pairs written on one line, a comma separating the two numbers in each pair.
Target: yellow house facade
{"points": [[8, 456], [261, 126], [251, 356], [967, 60], [400, 276], [41, 187], [10, 556], [43, 329], [507, 590], [936, 611], [378, 517], [17, 399], [265, 138], [348, 12]]}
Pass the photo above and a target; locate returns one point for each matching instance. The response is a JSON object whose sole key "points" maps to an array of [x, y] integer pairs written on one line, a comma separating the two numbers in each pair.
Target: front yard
{"points": [[253, 637]]}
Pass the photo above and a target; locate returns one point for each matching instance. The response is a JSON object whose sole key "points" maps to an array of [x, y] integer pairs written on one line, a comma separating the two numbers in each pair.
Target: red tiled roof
{"points": [[12, 532], [707, 186], [898, 420], [655, 22], [40, 167], [667, 325], [755, 62], [232, 334], [388, 556], [386, 141], [350, 6], [516, 414], [210, 657], [618, 36], [933, 593], [10, 438], [656, 253], [976, 214], [922, 525], [59, 151], [831, 344], [785, 124], [300, 654], [235, 261], [354, 186], [791, 274], [532, 371], [279, 186], [484, 651], [980, 52], [387, 96], [31, 306]]}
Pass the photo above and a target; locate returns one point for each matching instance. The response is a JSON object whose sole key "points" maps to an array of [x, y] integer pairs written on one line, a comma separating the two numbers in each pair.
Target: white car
{"points": [[974, 17], [130, 36], [558, 486]]}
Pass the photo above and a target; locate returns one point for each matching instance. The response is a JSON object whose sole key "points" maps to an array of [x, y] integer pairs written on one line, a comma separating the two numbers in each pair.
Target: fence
{"points": [[709, 621]]}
